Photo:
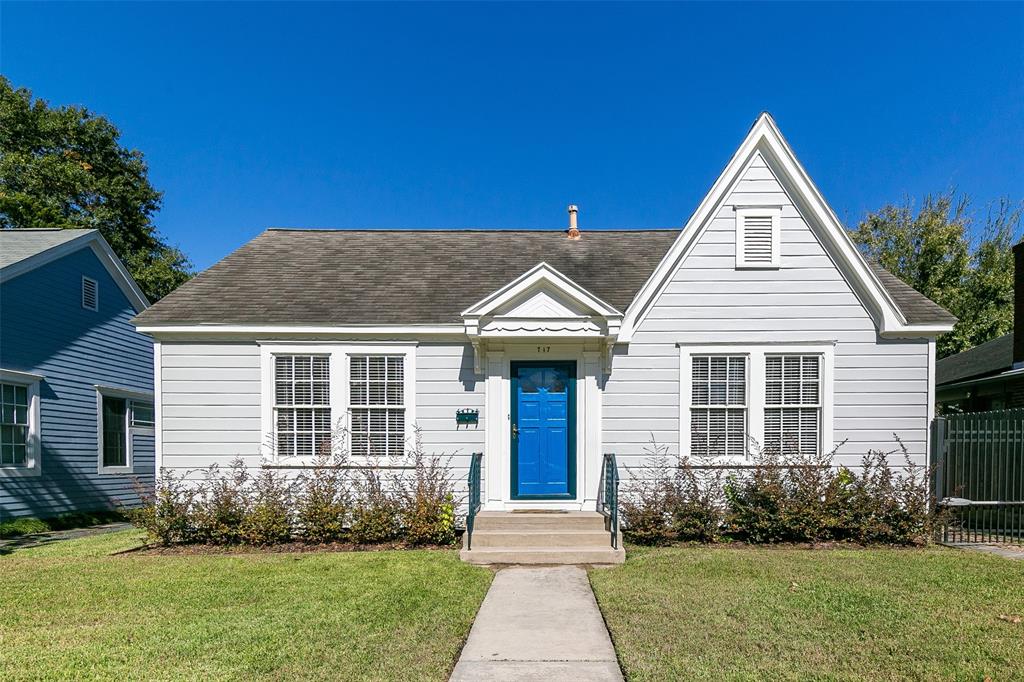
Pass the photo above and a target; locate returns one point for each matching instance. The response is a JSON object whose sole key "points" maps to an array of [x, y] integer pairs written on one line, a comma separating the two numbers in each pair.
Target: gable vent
{"points": [[90, 294], [757, 238]]}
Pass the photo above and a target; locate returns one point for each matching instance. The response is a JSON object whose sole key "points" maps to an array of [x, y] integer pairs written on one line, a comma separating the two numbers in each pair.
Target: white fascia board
{"points": [[354, 330], [103, 252], [765, 137], [542, 272], [916, 331]]}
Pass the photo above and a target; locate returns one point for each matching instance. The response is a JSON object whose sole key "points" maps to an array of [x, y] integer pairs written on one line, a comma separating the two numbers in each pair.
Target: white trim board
{"points": [[33, 449], [765, 139]]}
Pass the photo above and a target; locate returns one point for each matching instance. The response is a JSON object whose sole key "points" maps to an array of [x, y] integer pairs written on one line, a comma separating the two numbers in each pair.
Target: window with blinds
{"points": [[758, 237], [302, 399], [718, 406], [377, 405], [792, 415]]}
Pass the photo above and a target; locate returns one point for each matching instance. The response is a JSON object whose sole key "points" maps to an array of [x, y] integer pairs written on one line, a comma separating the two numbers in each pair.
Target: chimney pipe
{"points": [[574, 231], [1018, 305]]}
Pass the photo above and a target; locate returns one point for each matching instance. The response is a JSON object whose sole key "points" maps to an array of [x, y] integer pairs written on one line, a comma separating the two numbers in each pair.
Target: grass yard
{"points": [[681, 613], [70, 610]]}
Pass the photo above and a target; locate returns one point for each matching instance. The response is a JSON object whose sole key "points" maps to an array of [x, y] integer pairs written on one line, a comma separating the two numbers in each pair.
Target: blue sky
{"points": [[491, 115]]}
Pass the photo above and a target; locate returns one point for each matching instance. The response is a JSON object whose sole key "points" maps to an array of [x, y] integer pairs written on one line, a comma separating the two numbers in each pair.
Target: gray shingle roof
{"points": [[17, 245], [990, 357], [917, 308], [384, 277]]}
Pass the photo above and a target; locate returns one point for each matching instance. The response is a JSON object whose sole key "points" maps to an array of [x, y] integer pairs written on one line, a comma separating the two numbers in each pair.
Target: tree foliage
{"points": [[65, 167], [938, 251]]}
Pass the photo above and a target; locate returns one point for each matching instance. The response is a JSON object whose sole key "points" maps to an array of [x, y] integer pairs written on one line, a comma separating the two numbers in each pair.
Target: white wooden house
{"points": [[757, 322]]}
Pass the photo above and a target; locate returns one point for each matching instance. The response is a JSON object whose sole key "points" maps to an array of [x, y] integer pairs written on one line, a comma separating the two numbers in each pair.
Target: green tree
{"points": [[65, 167], [937, 251]]}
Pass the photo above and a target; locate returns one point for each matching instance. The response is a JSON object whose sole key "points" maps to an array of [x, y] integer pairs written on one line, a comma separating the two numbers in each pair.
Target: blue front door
{"points": [[543, 430]]}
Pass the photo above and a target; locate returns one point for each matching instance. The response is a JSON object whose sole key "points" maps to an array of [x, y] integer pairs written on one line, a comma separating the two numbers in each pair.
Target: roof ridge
{"points": [[467, 229]]}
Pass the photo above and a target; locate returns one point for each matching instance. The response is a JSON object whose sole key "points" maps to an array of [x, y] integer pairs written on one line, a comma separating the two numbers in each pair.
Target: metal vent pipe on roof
{"points": [[574, 231]]}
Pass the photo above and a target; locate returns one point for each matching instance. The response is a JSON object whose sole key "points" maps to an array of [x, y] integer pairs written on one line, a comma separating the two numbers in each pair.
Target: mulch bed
{"points": [[738, 544], [284, 548]]}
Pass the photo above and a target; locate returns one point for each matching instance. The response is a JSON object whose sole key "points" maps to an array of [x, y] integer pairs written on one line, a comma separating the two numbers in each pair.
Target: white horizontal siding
{"points": [[210, 404], [880, 385]]}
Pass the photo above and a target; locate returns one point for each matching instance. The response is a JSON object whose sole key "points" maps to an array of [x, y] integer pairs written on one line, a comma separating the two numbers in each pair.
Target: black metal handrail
{"points": [[474, 496], [608, 496]]}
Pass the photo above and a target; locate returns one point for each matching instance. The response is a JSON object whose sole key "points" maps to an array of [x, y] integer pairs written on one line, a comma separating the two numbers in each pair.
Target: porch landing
{"points": [[542, 538]]}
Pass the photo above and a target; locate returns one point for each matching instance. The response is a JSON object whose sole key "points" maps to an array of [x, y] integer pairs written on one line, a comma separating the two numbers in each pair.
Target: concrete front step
{"points": [[541, 538], [543, 555], [539, 521]]}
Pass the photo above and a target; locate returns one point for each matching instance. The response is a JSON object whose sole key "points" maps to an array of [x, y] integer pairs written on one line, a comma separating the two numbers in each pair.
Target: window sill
{"points": [[116, 471], [19, 471]]}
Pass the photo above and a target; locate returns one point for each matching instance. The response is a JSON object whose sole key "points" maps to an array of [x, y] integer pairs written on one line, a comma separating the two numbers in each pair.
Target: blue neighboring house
{"points": [[76, 379]]}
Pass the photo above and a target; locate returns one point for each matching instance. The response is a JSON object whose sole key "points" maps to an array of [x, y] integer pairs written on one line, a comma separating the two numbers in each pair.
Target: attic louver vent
{"points": [[90, 294], [757, 238]]}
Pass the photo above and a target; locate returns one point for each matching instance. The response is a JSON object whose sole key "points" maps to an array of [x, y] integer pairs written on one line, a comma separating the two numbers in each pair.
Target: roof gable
{"points": [[765, 141], [22, 251]]}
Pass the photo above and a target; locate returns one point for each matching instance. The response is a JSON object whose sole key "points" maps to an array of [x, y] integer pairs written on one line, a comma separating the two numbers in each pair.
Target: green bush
{"points": [[222, 505], [375, 511], [426, 501], [324, 501], [267, 520], [672, 501], [18, 527], [166, 513]]}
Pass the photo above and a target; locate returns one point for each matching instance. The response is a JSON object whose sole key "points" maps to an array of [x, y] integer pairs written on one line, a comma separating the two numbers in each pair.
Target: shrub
{"points": [[884, 506], [165, 513], [427, 501], [375, 512], [672, 501], [222, 505], [322, 506], [268, 518]]}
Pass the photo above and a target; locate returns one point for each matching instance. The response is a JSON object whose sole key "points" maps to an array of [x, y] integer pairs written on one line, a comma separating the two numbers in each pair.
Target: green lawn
{"points": [[699, 613], [70, 610]]}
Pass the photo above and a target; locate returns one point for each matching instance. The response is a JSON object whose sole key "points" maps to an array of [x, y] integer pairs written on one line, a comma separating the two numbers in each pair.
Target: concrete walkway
{"points": [[539, 624]]}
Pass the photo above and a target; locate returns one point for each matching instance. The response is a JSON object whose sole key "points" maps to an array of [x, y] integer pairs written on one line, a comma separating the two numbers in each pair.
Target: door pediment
{"points": [[542, 302]]}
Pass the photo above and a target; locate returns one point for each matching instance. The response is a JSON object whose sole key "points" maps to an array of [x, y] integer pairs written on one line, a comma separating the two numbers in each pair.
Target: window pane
{"points": [[115, 432], [303, 381], [794, 381], [142, 414]]}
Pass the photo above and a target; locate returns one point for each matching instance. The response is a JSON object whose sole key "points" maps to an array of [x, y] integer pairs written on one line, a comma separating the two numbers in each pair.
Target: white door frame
{"points": [[498, 451]]}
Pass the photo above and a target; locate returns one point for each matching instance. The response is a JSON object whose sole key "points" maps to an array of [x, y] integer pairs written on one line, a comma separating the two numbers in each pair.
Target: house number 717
{"points": [[543, 349]]}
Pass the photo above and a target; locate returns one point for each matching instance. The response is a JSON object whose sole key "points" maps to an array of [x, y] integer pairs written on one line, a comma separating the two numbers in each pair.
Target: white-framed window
{"points": [[19, 424], [302, 405], [120, 415], [718, 405], [367, 390], [792, 413], [90, 293], [778, 395], [376, 385], [758, 237]]}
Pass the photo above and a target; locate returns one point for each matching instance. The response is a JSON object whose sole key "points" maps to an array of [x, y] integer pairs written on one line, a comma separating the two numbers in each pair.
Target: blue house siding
{"points": [[45, 330]]}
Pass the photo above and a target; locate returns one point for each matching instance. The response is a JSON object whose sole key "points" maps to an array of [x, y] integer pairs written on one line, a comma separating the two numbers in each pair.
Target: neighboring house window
{"points": [[14, 435], [90, 294], [19, 423], [122, 414], [737, 399], [758, 237], [115, 432], [718, 412], [302, 404], [792, 416], [377, 404]]}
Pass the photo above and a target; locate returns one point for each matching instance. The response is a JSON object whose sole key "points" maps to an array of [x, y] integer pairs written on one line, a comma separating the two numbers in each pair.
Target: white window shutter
{"points": [[758, 237]]}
